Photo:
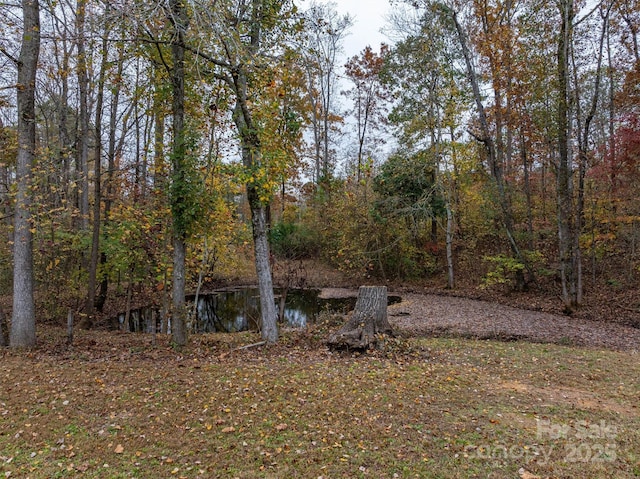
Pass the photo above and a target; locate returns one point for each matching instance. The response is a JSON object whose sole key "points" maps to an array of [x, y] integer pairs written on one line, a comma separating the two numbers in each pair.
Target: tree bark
{"points": [[87, 320], [367, 322], [23, 322], [449, 240], [566, 218], [180, 22], [83, 118], [268, 311]]}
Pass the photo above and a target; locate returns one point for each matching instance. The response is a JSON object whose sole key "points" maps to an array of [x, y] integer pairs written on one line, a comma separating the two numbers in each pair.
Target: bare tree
{"points": [[326, 31], [369, 97]]}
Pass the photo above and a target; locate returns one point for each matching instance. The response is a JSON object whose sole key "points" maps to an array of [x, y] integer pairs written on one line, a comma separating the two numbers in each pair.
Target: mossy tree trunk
{"points": [[180, 21]]}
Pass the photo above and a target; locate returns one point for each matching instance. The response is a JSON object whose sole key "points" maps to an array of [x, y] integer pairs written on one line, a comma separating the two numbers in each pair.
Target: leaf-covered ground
{"points": [[428, 314], [123, 405]]}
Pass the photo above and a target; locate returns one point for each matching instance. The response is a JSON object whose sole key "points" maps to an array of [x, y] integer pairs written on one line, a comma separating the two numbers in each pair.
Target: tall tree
{"points": [[569, 255], [179, 19], [63, 52], [491, 139], [97, 182], [368, 96], [82, 169], [249, 54], [430, 104], [112, 151], [23, 321], [326, 30], [584, 121]]}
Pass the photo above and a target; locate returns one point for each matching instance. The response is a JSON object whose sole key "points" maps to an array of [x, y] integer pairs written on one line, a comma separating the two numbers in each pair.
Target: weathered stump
{"points": [[367, 324]]}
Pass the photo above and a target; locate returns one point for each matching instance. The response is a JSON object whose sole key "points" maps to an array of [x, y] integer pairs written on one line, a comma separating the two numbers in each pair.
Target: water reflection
{"points": [[238, 309]]}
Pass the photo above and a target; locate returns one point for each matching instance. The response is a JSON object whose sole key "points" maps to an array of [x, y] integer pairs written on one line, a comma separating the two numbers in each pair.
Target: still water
{"points": [[238, 309]]}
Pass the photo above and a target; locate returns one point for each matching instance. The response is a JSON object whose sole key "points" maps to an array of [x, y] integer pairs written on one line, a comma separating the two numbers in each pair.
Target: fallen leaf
{"points": [[229, 429], [119, 449], [524, 474]]}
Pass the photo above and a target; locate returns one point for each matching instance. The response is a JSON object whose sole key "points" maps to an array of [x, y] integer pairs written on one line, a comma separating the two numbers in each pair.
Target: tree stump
{"points": [[367, 323]]}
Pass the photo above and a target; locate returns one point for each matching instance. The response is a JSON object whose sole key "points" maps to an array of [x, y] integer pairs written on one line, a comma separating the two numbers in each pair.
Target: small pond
{"points": [[238, 309]]}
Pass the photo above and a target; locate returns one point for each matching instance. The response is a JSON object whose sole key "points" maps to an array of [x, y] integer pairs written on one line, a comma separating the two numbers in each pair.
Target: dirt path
{"points": [[426, 314]]}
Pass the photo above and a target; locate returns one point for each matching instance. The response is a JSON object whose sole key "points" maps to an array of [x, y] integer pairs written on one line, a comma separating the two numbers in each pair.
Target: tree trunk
{"points": [[566, 219], [449, 239], [527, 191], [83, 118], [494, 151], [111, 166], [268, 311], [368, 321], [180, 22], [64, 143], [87, 320], [23, 323], [252, 160]]}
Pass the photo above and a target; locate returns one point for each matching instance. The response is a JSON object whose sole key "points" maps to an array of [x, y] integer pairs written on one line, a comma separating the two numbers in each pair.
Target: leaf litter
{"points": [[116, 405]]}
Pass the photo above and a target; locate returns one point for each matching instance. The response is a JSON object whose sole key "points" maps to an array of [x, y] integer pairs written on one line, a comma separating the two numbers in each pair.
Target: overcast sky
{"points": [[368, 20]]}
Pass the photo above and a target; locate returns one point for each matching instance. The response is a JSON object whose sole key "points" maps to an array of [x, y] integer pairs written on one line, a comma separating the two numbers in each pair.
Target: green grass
{"points": [[427, 408]]}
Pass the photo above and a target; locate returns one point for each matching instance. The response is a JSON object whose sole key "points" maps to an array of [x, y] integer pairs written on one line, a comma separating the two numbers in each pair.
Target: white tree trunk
{"points": [[268, 311]]}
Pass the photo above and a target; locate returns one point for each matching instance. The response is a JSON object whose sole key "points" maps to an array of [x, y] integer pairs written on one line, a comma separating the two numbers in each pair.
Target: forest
{"points": [[477, 174], [154, 149]]}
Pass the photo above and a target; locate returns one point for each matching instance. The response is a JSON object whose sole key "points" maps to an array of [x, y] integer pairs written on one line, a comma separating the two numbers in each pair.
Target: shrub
{"points": [[293, 240]]}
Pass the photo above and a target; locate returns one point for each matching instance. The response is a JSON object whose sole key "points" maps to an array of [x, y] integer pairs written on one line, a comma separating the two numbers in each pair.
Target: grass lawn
{"points": [[115, 405]]}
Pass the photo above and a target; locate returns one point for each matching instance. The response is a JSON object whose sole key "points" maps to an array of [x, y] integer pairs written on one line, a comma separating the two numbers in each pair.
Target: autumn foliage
{"points": [[435, 158]]}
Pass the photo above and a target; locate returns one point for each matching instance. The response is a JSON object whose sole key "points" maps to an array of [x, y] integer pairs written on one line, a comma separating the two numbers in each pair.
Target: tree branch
{"points": [[156, 43], [207, 57], [4, 51]]}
